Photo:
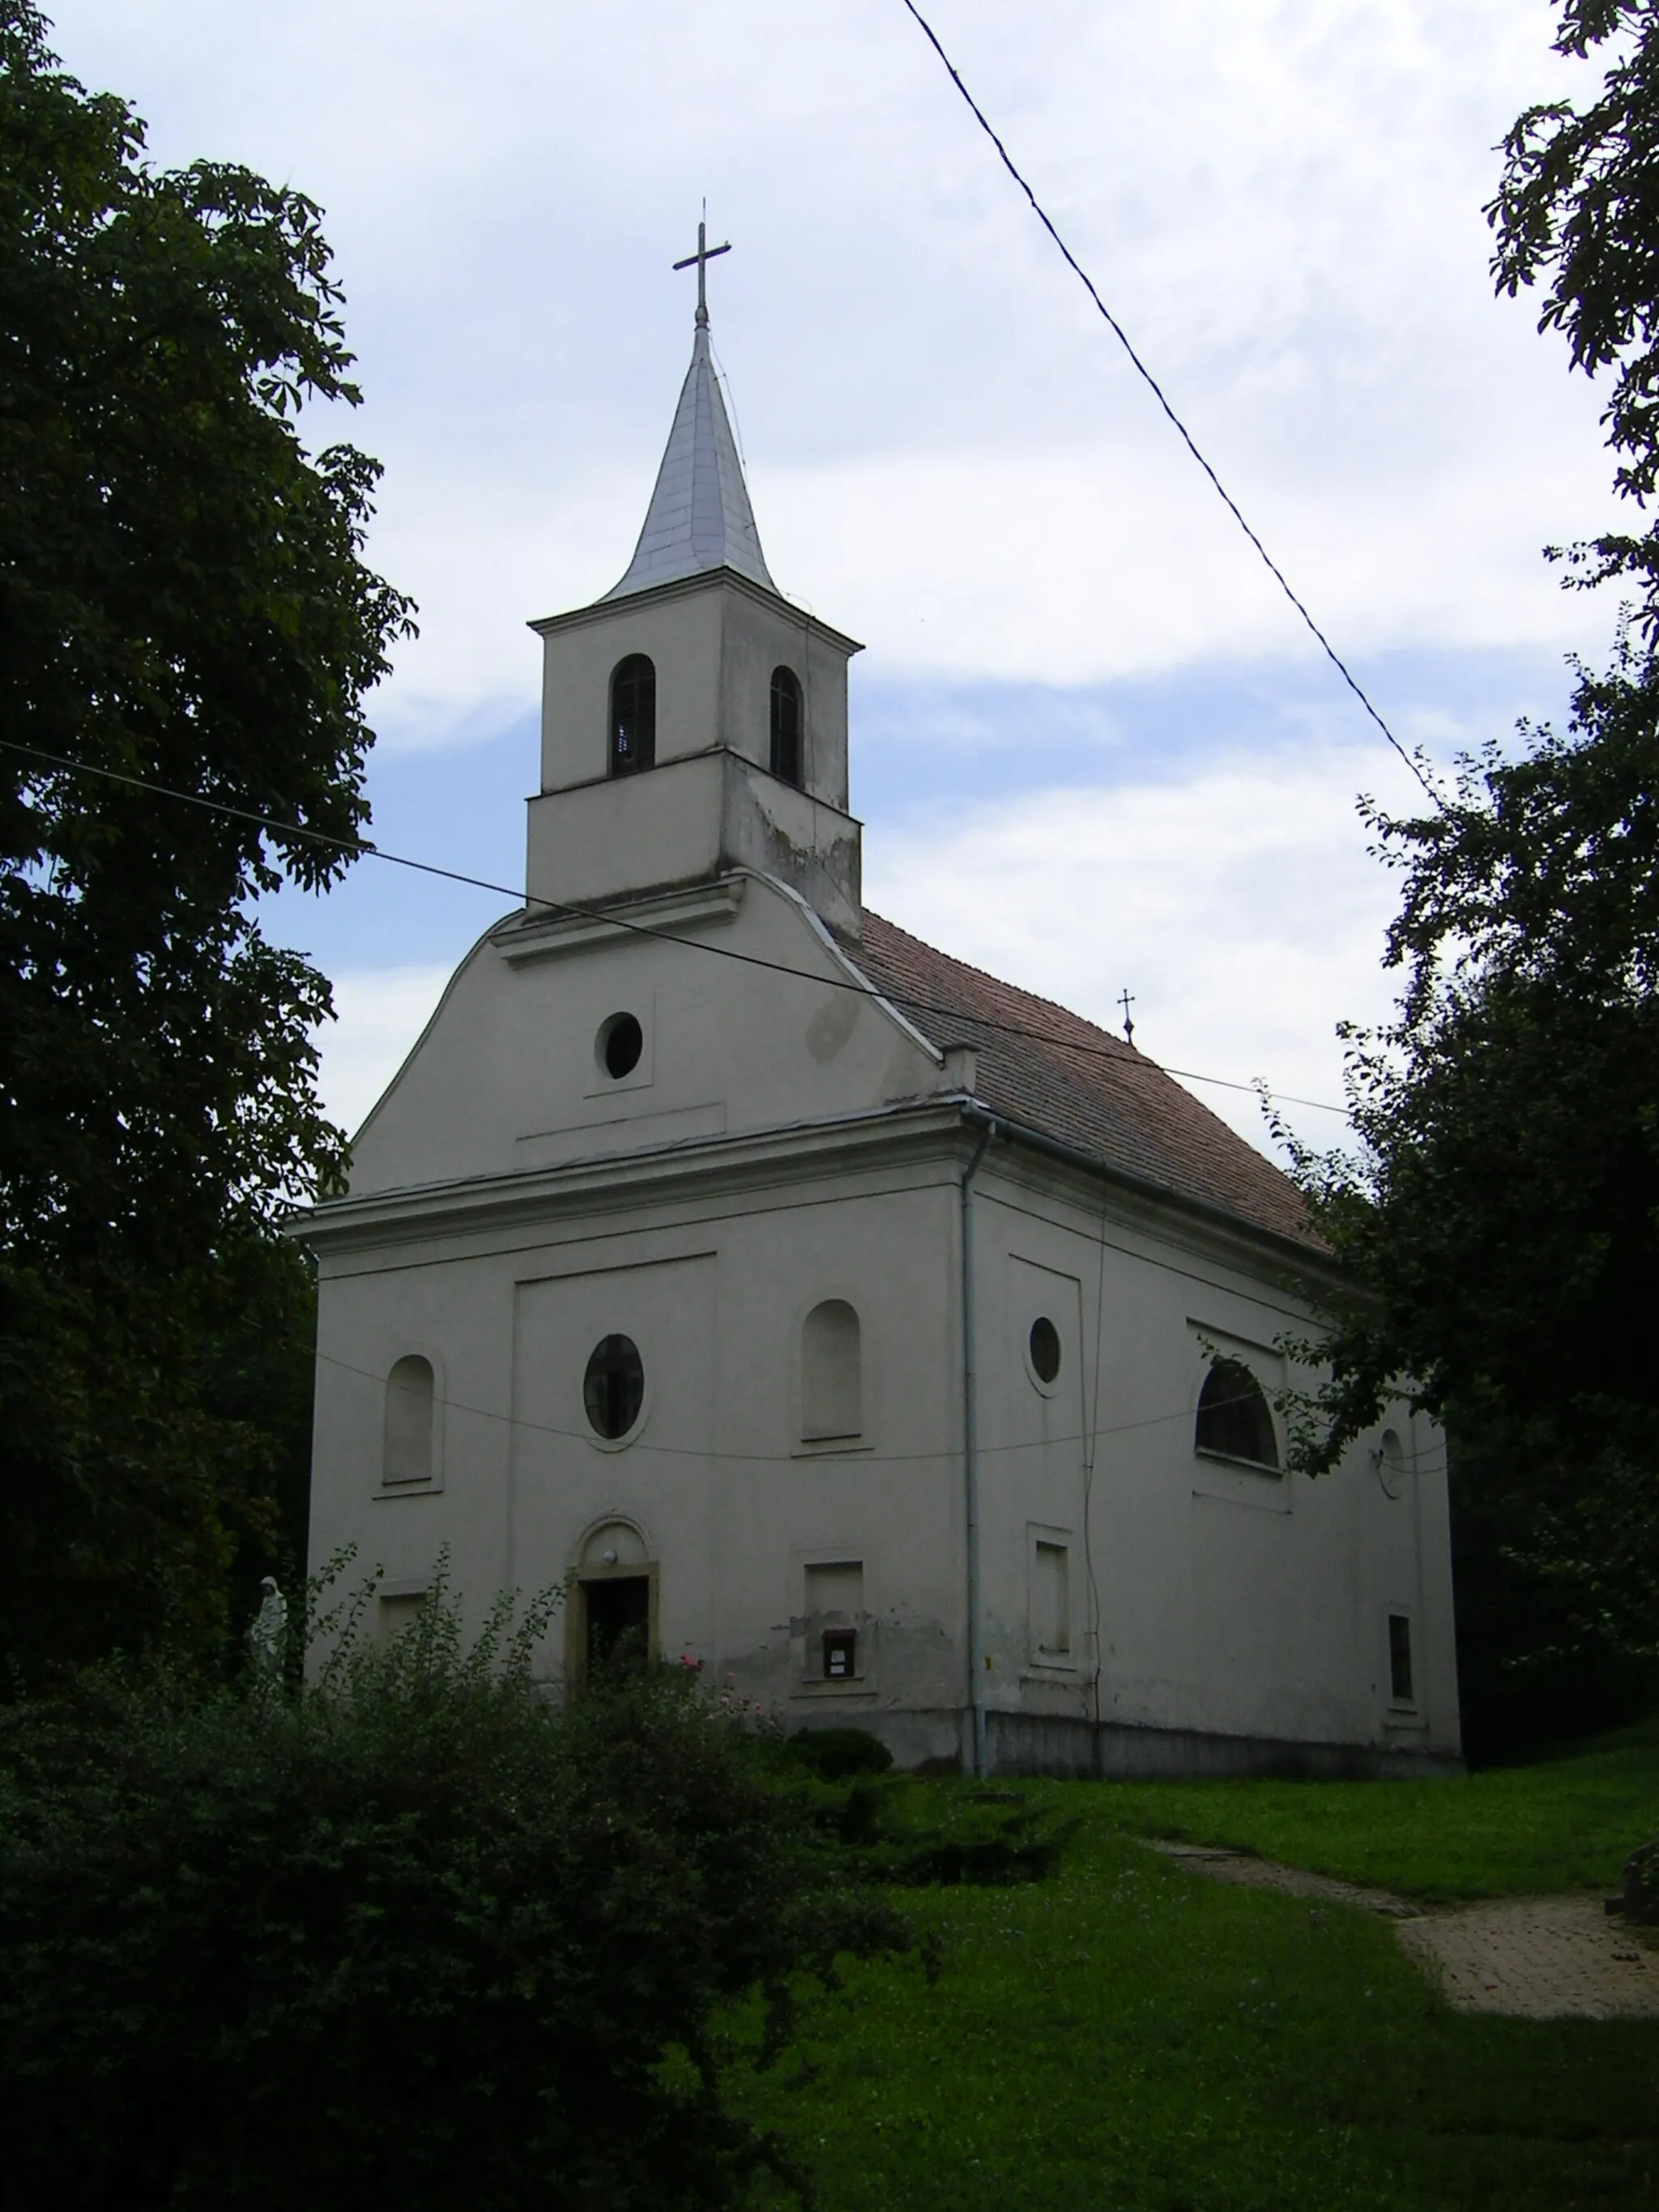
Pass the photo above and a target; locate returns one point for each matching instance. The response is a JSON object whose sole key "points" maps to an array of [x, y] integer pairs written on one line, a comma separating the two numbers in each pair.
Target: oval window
{"points": [[1044, 1349], [613, 1388], [621, 1041]]}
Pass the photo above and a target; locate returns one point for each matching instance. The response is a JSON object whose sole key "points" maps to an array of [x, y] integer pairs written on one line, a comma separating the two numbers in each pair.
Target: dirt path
{"points": [[1533, 1957]]}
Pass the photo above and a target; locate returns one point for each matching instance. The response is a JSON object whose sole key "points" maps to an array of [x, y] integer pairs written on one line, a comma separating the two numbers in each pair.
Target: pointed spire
{"points": [[699, 517]]}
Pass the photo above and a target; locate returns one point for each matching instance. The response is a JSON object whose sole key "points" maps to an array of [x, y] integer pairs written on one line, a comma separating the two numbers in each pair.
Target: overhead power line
{"points": [[523, 1424], [362, 849], [1157, 392]]}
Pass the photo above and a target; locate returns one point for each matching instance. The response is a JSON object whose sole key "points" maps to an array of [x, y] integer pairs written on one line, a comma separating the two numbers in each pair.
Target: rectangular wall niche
{"points": [[397, 1613], [1051, 1600], [1401, 1691], [834, 1613]]}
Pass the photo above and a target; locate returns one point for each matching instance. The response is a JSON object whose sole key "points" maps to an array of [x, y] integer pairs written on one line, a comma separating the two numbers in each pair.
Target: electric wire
{"points": [[772, 1458], [1157, 392], [362, 848]]}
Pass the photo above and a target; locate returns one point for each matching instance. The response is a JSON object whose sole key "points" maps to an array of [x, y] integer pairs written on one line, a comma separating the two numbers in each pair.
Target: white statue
{"points": [[267, 1635]]}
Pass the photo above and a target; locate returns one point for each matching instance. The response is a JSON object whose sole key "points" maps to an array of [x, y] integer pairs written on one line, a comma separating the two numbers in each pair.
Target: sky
{"points": [[1093, 748]]}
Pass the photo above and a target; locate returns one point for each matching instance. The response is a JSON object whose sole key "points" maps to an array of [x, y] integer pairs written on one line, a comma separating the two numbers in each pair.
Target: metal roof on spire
{"points": [[699, 517]]}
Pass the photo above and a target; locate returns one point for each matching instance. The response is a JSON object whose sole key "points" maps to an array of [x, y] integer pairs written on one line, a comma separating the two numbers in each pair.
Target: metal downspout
{"points": [[971, 1459]]}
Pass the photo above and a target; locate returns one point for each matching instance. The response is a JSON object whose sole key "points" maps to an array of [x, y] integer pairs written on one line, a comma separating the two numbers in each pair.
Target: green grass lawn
{"points": [[1128, 2037], [1565, 1823]]}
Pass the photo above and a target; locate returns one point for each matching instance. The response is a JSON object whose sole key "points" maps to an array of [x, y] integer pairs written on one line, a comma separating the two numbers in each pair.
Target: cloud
{"points": [[1238, 906], [950, 454], [378, 1014]]}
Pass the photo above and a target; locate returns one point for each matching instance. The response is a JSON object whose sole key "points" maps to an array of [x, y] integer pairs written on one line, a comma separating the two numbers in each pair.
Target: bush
{"points": [[905, 1836], [415, 1935], [835, 1754], [894, 1831]]}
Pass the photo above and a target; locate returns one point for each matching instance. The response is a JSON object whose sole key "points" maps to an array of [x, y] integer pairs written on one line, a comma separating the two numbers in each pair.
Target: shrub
{"points": [[903, 1836], [892, 1831], [416, 1935], [835, 1754]]}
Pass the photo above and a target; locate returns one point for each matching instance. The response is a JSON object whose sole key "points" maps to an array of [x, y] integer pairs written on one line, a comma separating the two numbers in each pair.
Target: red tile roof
{"points": [[1080, 1084]]}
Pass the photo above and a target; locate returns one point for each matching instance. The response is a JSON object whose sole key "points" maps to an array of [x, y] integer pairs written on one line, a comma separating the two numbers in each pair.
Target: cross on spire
{"points": [[704, 254], [1125, 1001]]}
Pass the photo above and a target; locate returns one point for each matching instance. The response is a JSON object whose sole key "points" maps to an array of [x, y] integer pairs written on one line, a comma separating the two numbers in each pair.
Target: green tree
{"points": [[1577, 211], [182, 602], [1501, 1215], [1500, 1218]]}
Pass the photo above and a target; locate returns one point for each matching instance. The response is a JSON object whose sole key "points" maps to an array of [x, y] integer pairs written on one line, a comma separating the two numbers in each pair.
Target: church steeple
{"points": [[699, 517], [694, 723]]}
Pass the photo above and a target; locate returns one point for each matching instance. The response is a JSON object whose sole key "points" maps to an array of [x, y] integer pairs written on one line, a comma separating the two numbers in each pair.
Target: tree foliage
{"points": [[1500, 1219], [183, 603], [1577, 211], [417, 1935]]}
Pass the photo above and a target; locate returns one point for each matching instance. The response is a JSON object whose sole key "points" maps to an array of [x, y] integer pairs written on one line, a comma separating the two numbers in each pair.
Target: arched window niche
{"points": [[410, 1406], [633, 715], [1235, 1421], [787, 747], [831, 1375]]}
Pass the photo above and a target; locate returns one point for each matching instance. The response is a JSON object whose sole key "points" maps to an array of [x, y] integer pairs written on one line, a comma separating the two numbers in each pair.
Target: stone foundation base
{"points": [[1020, 1743], [1033, 1744]]}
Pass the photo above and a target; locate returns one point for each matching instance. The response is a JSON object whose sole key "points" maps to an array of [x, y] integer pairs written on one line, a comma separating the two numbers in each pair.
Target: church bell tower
{"points": [[693, 721]]}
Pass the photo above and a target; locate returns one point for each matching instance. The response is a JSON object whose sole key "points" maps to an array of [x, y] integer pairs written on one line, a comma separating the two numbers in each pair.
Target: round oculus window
{"points": [[1044, 1348], [613, 1388], [621, 1041]]}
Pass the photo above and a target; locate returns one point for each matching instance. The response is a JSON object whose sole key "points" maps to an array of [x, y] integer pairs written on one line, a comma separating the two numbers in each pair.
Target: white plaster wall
{"points": [[730, 1502], [1227, 1601], [714, 642], [745, 1171], [458, 1312], [690, 819], [506, 1075]]}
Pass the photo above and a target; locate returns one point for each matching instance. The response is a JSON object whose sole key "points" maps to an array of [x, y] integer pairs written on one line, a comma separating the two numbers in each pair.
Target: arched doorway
{"points": [[613, 1618]]}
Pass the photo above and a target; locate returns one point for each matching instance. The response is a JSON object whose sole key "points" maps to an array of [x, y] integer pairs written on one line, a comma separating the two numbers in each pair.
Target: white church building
{"points": [[892, 1342]]}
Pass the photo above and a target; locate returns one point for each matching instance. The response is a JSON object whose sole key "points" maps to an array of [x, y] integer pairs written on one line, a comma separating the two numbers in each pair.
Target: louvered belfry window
{"points": [[633, 715], [785, 725]]}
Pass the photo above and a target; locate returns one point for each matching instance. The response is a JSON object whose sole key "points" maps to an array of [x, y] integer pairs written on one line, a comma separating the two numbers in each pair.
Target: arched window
{"points": [[1389, 1461], [1233, 1416], [409, 1395], [633, 715], [785, 725], [831, 1381]]}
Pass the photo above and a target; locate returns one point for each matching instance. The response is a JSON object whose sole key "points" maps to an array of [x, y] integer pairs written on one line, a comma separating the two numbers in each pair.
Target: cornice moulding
{"points": [[679, 587], [942, 1130], [547, 936]]}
